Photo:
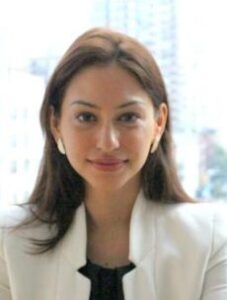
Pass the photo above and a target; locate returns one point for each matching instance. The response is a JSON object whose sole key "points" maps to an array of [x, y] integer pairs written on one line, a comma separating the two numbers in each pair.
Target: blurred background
{"points": [[189, 42]]}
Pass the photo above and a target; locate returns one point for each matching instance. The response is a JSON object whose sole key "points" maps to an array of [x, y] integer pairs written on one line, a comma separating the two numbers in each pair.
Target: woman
{"points": [[108, 218]]}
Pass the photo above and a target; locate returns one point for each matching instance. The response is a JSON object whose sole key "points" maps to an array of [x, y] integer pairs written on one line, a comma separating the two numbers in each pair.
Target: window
{"points": [[190, 50]]}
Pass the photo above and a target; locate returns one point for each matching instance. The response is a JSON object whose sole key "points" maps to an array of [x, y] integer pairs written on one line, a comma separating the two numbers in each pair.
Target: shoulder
{"points": [[195, 214], [13, 215], [204, 224], [9, 218], [15, 233], [194, 218]]}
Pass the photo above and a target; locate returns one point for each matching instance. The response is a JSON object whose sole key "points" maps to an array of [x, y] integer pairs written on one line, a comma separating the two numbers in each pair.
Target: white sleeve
{"points": [[215, 284], [5, 293]]}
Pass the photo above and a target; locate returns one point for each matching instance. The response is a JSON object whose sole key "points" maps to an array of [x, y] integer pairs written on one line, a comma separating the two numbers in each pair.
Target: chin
{"points": [[112, 183]]}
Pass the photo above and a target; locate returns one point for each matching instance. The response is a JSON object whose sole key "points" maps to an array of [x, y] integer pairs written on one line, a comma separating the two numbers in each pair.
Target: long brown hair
{"points": [[59, 189]]}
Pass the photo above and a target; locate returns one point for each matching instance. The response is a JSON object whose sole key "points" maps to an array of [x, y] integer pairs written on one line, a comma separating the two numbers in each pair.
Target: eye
{"points": [[86, 117], [129, 117]]}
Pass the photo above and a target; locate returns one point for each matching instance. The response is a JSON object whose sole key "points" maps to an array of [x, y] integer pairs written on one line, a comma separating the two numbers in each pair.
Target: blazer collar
{"points": [[142, 229], [74, 244]]}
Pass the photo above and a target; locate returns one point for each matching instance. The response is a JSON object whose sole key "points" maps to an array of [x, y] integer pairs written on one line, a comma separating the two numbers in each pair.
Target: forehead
{"points": [[108, 84]]}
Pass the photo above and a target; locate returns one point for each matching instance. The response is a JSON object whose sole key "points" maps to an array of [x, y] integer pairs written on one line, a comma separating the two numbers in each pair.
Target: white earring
{"points": [[155, 144], [61, 147]]}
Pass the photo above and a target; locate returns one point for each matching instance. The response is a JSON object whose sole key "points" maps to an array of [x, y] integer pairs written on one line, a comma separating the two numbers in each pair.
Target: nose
{"points": [[108, 138]]}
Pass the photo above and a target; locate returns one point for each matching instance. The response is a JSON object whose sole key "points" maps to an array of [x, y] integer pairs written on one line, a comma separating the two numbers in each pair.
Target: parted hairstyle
{"points": [[59, 189]]}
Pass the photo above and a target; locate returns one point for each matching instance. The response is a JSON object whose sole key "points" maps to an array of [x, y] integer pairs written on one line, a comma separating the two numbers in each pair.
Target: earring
{"points": [[61, 147], [155, 145]]}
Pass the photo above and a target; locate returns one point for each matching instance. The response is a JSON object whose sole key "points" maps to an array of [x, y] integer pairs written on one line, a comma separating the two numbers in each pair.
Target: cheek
{"points": [[138, 143], [75, 143]]}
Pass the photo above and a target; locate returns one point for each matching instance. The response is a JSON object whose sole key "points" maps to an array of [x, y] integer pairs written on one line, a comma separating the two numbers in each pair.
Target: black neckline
{"points": [[99, 267]]}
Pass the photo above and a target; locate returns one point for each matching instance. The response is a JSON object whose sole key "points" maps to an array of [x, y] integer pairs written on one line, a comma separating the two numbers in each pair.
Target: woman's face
{"points": [[107, 126]]}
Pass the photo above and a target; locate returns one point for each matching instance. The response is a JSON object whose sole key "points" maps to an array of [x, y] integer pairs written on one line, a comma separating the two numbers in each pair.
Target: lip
{"points": [[108, 164]]}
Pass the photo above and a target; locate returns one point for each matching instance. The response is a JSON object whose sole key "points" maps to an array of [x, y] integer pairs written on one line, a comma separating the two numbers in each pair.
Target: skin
{"points": [[107, 126]]}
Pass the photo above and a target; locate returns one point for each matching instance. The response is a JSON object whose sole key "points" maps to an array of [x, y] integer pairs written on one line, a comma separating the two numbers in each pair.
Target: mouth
{"points": [[108, 164]]}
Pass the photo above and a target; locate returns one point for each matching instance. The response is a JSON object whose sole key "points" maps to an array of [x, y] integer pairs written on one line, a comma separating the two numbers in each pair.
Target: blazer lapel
{"points": [[139, 283], [71, 283]]}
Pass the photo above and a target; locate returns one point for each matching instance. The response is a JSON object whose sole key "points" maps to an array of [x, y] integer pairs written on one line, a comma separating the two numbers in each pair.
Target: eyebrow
{"points": [[83, 102], [89, 104]]}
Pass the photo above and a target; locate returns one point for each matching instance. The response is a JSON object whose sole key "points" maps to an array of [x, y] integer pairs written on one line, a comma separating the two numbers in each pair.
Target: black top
{"points": [[106, 283]]}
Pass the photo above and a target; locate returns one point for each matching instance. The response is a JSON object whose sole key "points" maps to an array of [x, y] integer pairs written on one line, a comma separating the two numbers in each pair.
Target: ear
{"points": [[54, 124], [161, 119]]}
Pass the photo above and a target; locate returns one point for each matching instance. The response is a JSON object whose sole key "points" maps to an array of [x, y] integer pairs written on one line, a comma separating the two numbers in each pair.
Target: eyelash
{"points": [[130, 116], [87, 117], [85, 114]]}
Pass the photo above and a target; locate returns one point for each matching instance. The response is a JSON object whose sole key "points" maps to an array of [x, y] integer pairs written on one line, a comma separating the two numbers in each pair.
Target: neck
{"points": [[110, 208]]}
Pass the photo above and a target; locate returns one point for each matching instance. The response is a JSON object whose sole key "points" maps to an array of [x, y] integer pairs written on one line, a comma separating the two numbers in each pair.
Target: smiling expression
{"points": [[107, 125]]}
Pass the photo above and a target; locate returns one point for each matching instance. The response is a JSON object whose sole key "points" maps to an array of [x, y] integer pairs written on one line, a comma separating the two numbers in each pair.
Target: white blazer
{"points": [[180, 253]]}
